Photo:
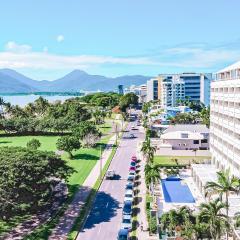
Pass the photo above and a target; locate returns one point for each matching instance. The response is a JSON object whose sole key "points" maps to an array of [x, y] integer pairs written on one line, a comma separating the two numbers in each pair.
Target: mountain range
{"points": [[13, 82]]}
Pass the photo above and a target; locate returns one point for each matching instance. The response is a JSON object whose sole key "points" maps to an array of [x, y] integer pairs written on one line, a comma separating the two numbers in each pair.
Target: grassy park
{"points": [[83, 162]]}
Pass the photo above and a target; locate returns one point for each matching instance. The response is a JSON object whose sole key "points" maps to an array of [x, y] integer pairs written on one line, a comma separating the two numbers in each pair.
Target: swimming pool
{"points": [[175, 191]]}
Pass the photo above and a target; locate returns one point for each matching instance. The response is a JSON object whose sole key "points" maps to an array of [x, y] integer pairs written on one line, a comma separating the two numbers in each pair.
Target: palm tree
{"points": [[211, 213], [2, 103], [148, 150], [8, 108], [225, 184], [41, 105], [152, 173], [180, 222]]}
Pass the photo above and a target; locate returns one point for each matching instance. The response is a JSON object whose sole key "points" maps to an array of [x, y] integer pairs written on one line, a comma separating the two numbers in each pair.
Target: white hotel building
{"points": [[225, 119]]}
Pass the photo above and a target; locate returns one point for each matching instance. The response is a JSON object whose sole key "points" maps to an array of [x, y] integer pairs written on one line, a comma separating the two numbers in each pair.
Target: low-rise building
{"points": [[186, 137]]}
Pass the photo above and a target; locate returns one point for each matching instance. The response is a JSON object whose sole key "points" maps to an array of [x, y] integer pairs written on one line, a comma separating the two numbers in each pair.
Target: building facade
{"points": [[169, 88], [225, 119], [186, 137], [171, 91], [152, 89], [193, 86]]}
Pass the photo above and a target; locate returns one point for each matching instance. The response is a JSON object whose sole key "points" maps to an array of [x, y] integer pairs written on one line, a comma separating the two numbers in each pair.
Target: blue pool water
{"points": [[176, 191]]}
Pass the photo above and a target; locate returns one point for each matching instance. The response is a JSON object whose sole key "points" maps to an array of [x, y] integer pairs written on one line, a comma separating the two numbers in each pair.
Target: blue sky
{"points": [[47, 39]]}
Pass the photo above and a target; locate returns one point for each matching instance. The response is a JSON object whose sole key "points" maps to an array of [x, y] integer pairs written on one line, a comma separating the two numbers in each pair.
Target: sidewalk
{"points": [[142, 215], [67, 220]]}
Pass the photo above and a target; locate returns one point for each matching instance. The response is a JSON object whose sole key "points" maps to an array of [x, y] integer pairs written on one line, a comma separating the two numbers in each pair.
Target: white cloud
{"points": [[46, 60], [60, 38], [17, 48], [201, 57], [190, 58]]}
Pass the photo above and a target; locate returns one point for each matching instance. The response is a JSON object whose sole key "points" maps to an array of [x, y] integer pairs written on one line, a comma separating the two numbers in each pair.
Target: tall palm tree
{"points": [[2, 103], [148, 150], [211, 213], [8, 108], [41, 105], [225, 184], [152, 173]]}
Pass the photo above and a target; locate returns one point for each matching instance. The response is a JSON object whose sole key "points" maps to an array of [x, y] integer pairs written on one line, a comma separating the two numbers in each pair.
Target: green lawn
{"points": [[83, 162], [48, 143], [182, 160]]}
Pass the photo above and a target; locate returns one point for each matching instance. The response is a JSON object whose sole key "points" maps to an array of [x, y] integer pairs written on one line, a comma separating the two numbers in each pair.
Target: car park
{"points": [[129, 186], [127, 222], [128, 196], [127, 208], [123, 234]]}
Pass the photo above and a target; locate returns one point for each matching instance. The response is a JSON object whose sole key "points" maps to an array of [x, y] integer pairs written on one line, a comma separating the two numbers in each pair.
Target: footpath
{"points": [[142, 229], [67, 220]]}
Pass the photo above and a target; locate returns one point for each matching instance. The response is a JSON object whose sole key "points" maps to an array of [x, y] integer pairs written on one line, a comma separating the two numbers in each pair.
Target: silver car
{"points": [[127, 222]]}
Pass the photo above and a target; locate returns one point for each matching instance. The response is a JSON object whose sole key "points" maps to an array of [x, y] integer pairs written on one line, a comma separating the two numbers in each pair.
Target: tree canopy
{"points": [[68, 144], [127, 100], [26, 179]]}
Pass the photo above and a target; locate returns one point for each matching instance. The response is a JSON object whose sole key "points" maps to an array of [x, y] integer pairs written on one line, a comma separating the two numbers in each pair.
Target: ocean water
{"points": [[23, 100]]}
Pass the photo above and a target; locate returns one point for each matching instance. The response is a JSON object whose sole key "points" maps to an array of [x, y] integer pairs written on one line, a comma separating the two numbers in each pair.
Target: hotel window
{"points": [[195, 141]]}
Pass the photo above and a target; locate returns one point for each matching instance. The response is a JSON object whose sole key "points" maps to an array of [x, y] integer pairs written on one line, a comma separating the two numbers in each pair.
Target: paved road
{"points": [[105, 217]]}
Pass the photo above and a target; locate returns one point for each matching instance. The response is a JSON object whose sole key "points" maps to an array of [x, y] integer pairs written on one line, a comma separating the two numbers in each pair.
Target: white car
{"points": [[110, 174], [128, 196], [127, 222], [132, 173]]}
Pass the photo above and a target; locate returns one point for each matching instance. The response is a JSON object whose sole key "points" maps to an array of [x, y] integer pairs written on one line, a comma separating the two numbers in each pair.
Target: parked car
{"points": [[123, 234], [127, 208], [134, 158], [131, 136], [129, 186], [127, 222], [110, 174], [133, 164], [131, 178], [132, 173], [132, 168], [128, 196]]}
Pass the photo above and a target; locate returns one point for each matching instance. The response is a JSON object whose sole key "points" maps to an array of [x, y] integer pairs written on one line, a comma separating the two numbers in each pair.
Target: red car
{"points": [[132, 168], [134, 158]]}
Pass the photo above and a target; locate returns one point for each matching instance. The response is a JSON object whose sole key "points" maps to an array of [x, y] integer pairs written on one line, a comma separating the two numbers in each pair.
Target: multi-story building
{"points": [[197, 85], [169, 88], [152, 89], [120, 89], [172, 90], [225, 119]]}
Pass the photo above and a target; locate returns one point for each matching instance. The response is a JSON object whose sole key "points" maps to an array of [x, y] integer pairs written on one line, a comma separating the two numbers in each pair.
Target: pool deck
{"points": [[187, 178]]}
